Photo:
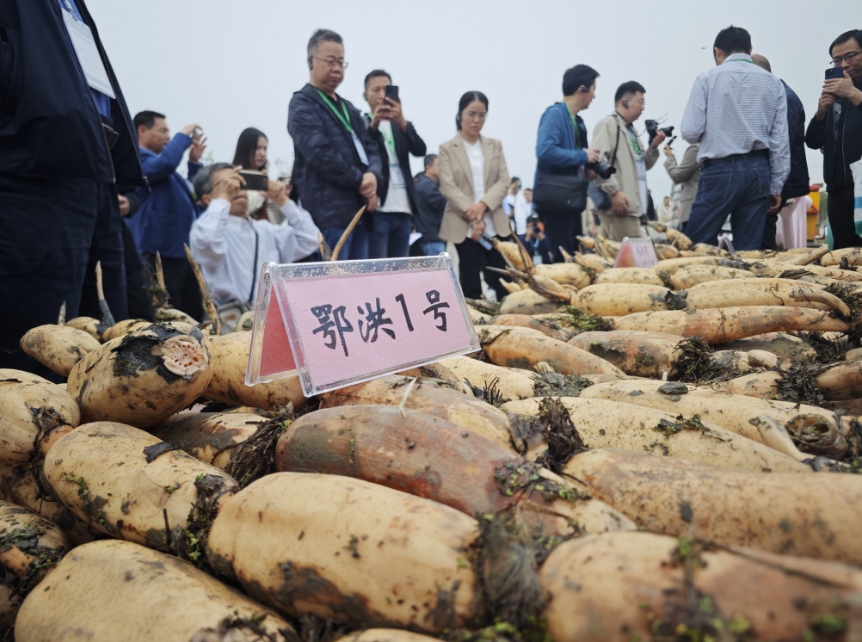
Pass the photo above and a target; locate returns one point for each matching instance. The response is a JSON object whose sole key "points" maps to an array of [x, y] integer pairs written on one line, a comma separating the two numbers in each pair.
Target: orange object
{"points": [[812, 219]]}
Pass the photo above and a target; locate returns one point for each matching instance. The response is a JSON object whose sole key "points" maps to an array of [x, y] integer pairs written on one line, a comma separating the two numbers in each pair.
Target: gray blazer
{"points": [[456, 184], [687, 174]]}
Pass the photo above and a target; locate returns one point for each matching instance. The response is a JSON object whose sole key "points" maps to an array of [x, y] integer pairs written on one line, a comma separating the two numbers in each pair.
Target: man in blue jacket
{"points": [[337, 167], [66, 139], [561, 148], [167, 212]]}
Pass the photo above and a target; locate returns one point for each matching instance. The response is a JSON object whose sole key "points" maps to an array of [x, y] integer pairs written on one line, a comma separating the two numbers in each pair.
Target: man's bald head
{"points": [[761, 62]]}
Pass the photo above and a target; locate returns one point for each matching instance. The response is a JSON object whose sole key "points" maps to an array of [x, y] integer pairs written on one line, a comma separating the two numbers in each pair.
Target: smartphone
{"points": [[835, 73], [391, 93], [197, 134], [255, 180]]}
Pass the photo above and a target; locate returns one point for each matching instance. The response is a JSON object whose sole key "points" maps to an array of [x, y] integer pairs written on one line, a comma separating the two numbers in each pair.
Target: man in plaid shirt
{"points": [[738, 113]]}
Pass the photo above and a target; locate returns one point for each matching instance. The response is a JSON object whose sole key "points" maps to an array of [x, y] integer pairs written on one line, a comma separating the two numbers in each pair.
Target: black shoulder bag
{"points": [[561, 193]]}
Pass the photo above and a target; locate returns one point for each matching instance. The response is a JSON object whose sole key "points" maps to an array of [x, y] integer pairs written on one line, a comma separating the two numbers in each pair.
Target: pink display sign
{"points": [[639, 252], [335, 329]]}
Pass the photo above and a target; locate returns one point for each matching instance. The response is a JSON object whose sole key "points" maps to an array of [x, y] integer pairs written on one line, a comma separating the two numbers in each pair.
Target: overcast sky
{"points": [[228, 65]]}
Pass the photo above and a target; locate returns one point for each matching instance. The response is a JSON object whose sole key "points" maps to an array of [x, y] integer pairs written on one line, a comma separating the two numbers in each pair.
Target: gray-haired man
{"points": [[337, 164]]}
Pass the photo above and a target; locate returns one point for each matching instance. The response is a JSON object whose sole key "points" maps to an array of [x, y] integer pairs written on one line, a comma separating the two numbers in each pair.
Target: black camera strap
{"points": [[250, 299]]}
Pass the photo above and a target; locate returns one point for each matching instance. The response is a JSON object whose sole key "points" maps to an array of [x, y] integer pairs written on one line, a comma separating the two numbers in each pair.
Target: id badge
{"points": [[88, 55], [360, 149], [396, 176]]}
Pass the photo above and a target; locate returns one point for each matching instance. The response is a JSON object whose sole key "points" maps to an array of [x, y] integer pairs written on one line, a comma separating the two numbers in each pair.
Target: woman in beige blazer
{"points": [[474, 179]]}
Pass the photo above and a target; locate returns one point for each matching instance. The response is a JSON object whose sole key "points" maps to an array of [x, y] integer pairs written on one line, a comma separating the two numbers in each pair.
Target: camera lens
{"points": [[603, 169]]}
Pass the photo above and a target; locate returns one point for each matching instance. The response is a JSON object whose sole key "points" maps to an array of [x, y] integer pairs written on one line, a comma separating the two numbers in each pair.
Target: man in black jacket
{"points": [[430, 205], [389, 236], [837, 129], [337, 166], [797, 184], [65, 141]]}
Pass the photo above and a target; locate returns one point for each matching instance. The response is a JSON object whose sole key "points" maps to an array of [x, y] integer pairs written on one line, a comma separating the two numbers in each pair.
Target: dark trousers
{"points": [[474, 260], [51, 231], [137, 280], [355, 246], [739, 187], [561, 230], [389, 235], [107, 249], [183, 289], [839, 207]]}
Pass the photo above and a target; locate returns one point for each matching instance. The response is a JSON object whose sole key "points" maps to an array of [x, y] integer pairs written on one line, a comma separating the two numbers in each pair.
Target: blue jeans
{"points": [[739, 187], [432, 248], [355, 246], [389, 236]]}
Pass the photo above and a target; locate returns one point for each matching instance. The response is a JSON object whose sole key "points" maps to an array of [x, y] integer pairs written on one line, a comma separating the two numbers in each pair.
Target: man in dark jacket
{"points": [[561, 148], [797, 184], [430, 205], [167, 212], [837, 129], [396, 138], [65, 140], [337, 167]]}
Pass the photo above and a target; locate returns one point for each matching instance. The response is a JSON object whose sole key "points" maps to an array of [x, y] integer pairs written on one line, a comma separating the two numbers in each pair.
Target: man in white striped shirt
{"points": [[738, 113]]}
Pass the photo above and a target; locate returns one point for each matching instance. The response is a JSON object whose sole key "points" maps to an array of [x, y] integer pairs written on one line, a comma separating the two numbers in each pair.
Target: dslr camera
{"points": [[653, 130], [603, 169]]}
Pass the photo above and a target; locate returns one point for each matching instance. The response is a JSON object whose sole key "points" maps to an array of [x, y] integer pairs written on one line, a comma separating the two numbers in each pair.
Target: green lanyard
{"points": [[345, 119], [389, 140], [635, 142], [577, 128]]}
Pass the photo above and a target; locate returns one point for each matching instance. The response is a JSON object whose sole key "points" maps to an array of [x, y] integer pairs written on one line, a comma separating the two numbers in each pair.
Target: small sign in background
{"points": [[638, 252]]}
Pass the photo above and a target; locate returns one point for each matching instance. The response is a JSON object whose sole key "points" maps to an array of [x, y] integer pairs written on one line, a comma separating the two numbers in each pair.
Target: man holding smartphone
{"points": [[396, 138], [837, 130], [168, 209]]}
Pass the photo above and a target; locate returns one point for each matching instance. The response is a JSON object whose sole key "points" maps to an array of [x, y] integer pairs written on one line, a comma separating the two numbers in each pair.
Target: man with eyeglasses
{"points": [[837, 130], [337, 166], [738, 113], [625, 193]]}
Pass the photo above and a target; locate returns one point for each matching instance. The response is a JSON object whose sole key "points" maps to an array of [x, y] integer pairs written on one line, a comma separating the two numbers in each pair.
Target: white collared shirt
{"points": [[224, 246]]}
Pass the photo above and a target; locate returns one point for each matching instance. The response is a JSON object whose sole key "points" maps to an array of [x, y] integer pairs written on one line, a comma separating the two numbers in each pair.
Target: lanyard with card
{"points": [[396, 176], [344, 117], [88, 54]]}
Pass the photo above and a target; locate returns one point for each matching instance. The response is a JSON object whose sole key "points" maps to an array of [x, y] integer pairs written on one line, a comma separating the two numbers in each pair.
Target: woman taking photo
{"points": [[250, 153], [474, 179]]}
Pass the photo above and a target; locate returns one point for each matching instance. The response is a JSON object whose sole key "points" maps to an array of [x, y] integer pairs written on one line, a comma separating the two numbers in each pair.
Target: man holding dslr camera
{"points": [[624, 193], [837, 129], [562, 150]]}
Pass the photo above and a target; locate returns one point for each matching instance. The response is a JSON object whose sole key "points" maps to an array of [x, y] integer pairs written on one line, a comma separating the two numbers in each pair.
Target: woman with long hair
{"points": [[250, 154], [474, 179]]}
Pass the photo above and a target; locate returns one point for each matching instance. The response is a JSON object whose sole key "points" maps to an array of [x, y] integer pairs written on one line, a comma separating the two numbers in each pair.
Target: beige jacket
{"points": [[626, 178], [456, 184], [687, 174]]}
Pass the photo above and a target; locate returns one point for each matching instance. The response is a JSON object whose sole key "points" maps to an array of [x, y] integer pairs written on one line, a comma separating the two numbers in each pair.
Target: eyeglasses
{"points": [[332, 64], [846, 57], [475, 115]]}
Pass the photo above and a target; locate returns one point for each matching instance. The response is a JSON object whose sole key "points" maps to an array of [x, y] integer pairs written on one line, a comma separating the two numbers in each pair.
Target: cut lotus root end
{"points": [[182, 356]]}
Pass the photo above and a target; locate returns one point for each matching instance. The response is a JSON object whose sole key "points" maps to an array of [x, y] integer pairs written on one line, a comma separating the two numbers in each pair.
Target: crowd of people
{"points": [[82, 182]]}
